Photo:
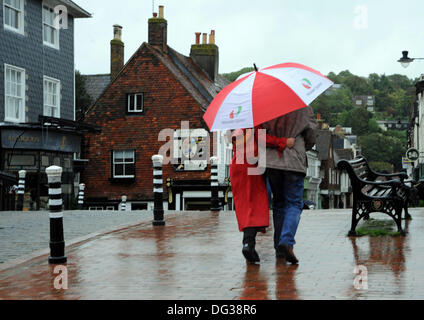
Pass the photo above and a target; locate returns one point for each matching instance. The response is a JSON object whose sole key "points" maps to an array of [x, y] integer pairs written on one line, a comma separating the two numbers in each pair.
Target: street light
{"points": [[405, 60]]}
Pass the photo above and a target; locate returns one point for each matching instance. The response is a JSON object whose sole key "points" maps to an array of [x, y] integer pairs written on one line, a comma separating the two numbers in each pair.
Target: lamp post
{"points": [[405, 60]]}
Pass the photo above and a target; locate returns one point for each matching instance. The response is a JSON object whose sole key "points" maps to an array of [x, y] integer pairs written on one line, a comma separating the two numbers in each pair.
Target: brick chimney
{"points": [[116, 52], [158, 30], [206, 55]]}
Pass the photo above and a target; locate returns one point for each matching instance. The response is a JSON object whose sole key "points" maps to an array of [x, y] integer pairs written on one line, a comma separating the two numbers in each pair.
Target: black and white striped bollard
{"points": [[124, 203], [158, 219], [21, 191], [57, 241], [81, 196], [214, 184]]}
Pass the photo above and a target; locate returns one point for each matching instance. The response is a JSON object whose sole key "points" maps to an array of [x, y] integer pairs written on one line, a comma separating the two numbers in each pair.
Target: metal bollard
{"points": [[81, 196], [124, 203], [158, 219], [21, 191], [57, 242], [214, 184]]}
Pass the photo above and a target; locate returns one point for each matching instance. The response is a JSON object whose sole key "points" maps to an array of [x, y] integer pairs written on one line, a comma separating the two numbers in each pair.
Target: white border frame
{"points": [[48, 44], [124, 163], [59, 93], [21, 30], [23, 84], [142, 102]]}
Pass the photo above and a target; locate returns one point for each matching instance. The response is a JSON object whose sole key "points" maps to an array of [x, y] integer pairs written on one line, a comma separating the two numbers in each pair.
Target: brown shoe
{"points": [[288, 252]]}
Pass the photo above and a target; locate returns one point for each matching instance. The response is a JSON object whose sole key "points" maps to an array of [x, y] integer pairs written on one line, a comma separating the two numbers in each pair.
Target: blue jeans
{"points": [[287, 190], [268, 189]]}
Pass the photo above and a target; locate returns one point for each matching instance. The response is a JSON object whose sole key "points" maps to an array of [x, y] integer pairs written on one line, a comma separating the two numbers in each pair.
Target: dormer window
{"points": [[135, 103], [13, 15]]}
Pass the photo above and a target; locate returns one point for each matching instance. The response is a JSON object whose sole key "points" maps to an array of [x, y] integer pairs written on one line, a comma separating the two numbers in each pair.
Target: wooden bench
{"points": [[376, 192]]}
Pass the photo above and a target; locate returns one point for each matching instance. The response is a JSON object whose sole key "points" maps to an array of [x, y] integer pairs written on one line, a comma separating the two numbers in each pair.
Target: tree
{"points": [[358, 119], [380, 166], [358, 85], [381, 148], [83, 100], [373, 126]]}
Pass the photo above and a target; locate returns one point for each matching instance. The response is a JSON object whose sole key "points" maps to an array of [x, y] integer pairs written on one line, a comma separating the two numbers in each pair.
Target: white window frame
{"points": [[123, 163], [58, 90], [23, 94], [56, 34], [137, 109], [21, 19]]}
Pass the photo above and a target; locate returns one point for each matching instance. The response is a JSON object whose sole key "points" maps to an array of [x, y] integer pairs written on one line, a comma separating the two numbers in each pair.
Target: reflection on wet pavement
{"points": [[198, 256]]}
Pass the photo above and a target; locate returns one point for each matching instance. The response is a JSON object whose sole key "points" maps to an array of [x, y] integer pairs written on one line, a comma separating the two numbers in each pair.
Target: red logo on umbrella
{"points": [[307, 83], [232, 114]]}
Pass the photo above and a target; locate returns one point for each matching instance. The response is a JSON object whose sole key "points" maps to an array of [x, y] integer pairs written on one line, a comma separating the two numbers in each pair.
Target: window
{"points": [[13, 13], [135, 102], [14, 94], [358, 102], [51, 97], [50, 33], [124, 164]]}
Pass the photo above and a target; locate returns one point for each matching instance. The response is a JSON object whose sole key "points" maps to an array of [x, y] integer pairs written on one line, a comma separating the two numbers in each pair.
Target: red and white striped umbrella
{"points": [[263, 95]]}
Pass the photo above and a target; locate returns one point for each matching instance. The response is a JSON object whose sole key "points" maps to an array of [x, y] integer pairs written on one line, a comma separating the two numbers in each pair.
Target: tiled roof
{"points": [[188, 73], [96, 84]]}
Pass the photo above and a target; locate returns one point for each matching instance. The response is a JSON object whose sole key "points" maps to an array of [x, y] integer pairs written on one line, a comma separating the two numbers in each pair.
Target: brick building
{"points": [[158, 88]]}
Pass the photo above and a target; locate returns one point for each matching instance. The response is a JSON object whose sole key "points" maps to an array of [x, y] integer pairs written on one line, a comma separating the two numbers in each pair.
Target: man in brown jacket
{"points": [[286, 175]]}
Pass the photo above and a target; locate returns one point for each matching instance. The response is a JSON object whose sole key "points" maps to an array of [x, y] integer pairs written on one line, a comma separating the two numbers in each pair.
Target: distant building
{"points": [[332, 89], [313, 177], [393, 124], [344, 130], [334, 189], [367, 102]]}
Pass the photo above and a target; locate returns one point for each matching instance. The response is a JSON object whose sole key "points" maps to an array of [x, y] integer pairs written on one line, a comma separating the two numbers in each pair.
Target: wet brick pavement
{"points": [[24, 232], [197, 255]]}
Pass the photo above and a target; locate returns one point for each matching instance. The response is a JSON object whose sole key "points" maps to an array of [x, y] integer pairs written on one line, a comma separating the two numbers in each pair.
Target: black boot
{"points": [[249, 252]]}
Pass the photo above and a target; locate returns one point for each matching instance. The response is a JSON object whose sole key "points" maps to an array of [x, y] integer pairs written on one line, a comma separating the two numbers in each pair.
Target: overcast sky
{"points": [[363, 36]]}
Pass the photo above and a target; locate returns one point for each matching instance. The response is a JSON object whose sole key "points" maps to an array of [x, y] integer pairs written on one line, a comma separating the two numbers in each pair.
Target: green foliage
{"points": [[358, 119], [373, 126], [376, 228], [232, 76], [381, 147], [382, 167]]}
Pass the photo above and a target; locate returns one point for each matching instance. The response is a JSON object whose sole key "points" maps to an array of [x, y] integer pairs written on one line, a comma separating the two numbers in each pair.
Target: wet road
{"points": [[198, 256]]}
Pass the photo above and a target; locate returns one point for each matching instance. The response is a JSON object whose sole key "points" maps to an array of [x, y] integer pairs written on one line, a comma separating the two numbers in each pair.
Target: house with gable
{"points": [[335, 187], [157, 89]]}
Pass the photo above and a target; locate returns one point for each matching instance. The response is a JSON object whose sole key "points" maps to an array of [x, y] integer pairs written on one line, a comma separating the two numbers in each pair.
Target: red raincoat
{"points": [[249, 191]]}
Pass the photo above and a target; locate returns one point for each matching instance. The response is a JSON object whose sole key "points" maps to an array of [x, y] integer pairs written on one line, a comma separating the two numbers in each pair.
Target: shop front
{"points": [[33, 148]]}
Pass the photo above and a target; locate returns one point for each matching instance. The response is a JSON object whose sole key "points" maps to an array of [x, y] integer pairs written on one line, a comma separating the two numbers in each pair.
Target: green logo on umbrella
{"points": [[233, 114], [307, 83]]}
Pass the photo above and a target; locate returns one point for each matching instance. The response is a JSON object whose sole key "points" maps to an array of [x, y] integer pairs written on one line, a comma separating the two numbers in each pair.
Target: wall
{"points": [[28, 52]]}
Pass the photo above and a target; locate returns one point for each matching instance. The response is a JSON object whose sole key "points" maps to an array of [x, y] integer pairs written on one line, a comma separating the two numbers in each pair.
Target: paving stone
{"points": [[197, 255]]}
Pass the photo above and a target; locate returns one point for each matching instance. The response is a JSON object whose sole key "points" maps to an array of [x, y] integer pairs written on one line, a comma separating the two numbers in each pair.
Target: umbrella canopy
{"points": [[263, 95]]}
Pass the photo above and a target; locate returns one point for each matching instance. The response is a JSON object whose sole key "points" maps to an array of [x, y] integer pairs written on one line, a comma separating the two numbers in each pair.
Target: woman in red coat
{"points": [[249, 191]]}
